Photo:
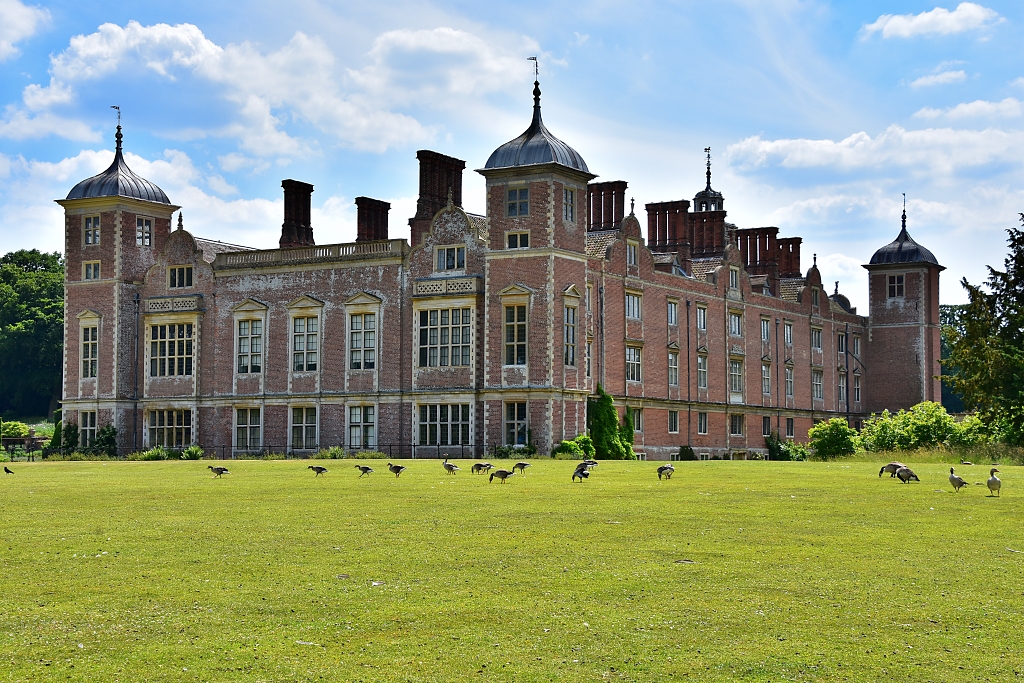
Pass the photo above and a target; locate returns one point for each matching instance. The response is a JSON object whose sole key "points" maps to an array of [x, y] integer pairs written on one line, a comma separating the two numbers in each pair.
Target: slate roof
{"points": [[902, 250], [598, 242], [211, 248], [789, 287], [703, 266]]}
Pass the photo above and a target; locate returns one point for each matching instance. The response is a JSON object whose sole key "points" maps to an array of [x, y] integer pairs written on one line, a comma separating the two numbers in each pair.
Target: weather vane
{"points": [[707, 150], [536, 67], [114, 106]]}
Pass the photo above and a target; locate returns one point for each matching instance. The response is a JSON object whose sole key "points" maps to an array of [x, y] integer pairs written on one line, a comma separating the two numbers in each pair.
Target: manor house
{"points": [[481, 330]]}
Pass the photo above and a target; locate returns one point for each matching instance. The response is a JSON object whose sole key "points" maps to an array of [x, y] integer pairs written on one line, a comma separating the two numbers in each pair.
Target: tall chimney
{"points": [[439, 174], [296, 230], [607, 204], [372, 219]]}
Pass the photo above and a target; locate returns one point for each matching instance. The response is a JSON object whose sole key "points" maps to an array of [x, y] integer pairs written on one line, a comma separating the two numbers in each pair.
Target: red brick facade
{"points": [[486, 330]]}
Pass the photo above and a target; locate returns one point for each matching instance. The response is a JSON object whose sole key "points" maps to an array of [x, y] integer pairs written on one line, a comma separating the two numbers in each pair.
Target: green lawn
{"points": [[155, 571]]}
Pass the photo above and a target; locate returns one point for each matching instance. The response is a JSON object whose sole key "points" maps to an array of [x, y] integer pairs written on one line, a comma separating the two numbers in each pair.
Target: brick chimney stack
{"points": [[296, 230], [607, 204], [439, 174], [372, 219]]}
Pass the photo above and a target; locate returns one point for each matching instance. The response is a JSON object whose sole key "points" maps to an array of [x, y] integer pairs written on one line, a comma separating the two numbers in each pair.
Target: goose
{"points": [[319, 469], [397, 469], [481, 467], [521, 466], [956, 481], [217, 471], [581, 473], [590, 463], [450, 468], [500, 474], [364, 469], [7, 470], [666, 470], [906, 475], [966, 462], [890, 468], [994, 483]]}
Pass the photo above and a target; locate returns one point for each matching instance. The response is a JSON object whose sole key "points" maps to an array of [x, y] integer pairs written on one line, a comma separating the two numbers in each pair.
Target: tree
{"points": [[604, 427], [833, 439], [69, 438], [951, 317], [106, 441], [31, 332], [987, 354]]}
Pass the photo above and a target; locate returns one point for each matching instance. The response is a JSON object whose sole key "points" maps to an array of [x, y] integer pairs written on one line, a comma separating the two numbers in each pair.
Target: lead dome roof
{"points": [[118, 181], [536, 146], [902, 250]]}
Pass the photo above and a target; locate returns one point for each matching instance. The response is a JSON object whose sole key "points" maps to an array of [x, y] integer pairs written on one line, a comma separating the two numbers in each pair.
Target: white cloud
{"points": [[967, 16], [18, 22], [933, 150], [17, 124], [1019, 82], [1008, 108], [939, 79], [235, 162], [220, 186], [438, 64]]}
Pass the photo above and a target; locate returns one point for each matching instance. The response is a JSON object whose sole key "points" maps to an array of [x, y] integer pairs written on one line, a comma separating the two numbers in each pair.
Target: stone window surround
{"points": [[305, 307], [250, 309]]}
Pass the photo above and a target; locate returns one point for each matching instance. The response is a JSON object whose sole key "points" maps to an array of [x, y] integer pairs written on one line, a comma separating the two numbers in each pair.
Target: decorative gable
{"points": [[305, 302], [249, 306], [516, 290], [88, 315], [364, 299], [571, 291]]}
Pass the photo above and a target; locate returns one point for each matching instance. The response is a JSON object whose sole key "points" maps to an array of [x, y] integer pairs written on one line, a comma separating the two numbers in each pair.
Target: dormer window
{"points": [[179, 276], [632, 253], [519, 202], [451, 258], [518, 240], [143, 232], [92, 229]]}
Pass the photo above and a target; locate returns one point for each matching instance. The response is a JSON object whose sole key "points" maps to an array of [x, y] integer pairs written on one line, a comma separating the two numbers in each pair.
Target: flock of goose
{"points": [[900, 471]]}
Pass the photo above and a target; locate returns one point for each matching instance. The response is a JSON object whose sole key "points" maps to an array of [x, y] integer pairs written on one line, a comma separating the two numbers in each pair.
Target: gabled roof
{"points": [[598, 242]]}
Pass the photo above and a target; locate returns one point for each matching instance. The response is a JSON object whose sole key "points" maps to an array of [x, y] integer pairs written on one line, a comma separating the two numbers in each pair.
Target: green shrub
{"points": [[604, 427], [569, 450], [56, 441], [332, 453], [969, 432], [797, 450], [11, 429], [686, 453], [586, 444], [106, 441], [193, 452], [368, 455], [69, 438], [833, 439], [157, 453]]}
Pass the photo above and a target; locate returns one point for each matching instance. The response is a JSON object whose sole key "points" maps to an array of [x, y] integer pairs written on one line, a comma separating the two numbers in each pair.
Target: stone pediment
{"points": [[249, 305], [516, 290], [88, 314], [572, 291], [673, 345], [363, 299], [305, 301]]}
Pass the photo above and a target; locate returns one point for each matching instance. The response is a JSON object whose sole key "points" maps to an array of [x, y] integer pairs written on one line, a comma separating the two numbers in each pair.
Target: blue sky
{"points": [[819, 114]]}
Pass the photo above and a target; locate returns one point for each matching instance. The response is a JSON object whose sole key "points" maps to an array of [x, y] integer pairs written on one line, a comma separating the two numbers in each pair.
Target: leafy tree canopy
{"points": [[31, 331], [987, 348]]}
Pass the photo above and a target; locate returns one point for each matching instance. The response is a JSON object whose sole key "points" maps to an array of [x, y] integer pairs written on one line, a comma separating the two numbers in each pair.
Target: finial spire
{"points": [[632, 202], [118, 136], [815, 260], [904, 210], [837, 286], [707, 150], [181, 224]]}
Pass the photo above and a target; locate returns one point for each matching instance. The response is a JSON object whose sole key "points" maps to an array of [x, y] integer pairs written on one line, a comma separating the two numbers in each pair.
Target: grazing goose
{"points": [[319, 469], [397, 469], [906, 475], [500, 474], [966, 462], [956, 481], [994, 484], [890, 468], [479, 467], [218, 471], [7, 470], [666, 470], [581, 473], [521, 466], [364, 469], [450, 468]]}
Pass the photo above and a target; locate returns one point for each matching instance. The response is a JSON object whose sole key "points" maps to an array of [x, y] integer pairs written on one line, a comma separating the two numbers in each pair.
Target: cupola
{"points": [[536, 146], [118, 181], [902, 250], [708, 199]]}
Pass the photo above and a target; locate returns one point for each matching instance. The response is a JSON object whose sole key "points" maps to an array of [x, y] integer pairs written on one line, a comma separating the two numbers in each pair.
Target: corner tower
{"points": [[115, 225], [904, 339], [536, 276]]}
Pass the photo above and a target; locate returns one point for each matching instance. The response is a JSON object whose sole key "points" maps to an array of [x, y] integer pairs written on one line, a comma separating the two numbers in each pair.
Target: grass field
{"points": [[156, 571]]}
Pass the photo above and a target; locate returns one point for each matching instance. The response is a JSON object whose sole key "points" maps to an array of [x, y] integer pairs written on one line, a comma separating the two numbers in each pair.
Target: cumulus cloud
{"points": [[438, 65], [967, 16], [18, 124], [933, 150], [939, 79], [1008, 108], [18, 22]]}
